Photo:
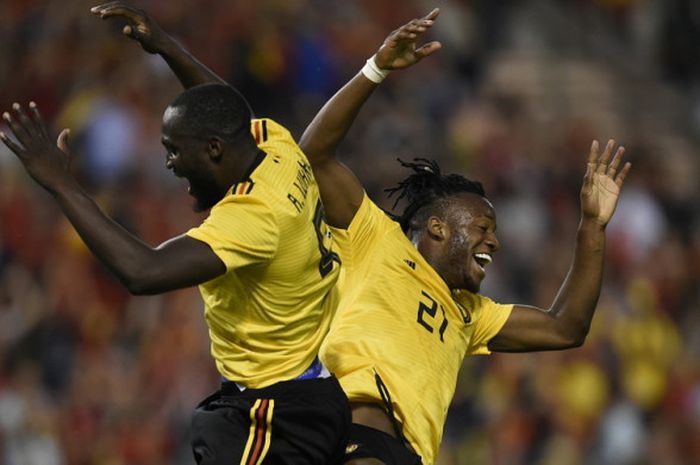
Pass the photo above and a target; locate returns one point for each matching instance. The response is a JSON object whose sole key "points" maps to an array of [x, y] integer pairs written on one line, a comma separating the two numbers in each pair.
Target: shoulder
{"points": [[267, 131], [479, 305], [371, 215], [244, 199]]}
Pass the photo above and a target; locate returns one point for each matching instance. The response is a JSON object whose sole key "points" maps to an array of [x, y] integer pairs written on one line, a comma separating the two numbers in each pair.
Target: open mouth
{"points": [[185, 180], [483, 259]]}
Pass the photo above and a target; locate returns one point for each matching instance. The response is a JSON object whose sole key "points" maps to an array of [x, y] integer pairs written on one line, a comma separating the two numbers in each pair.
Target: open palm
{"points": [[399, 49], [48, 163], [603, 182]]}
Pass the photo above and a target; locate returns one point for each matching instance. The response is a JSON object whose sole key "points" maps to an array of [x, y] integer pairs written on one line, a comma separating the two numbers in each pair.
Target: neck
{"points": [[433, 256], [238, 166]]}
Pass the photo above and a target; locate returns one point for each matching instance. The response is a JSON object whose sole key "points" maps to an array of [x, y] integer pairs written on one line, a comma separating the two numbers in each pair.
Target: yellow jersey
{"points": [[268, 313], [397, 318]]}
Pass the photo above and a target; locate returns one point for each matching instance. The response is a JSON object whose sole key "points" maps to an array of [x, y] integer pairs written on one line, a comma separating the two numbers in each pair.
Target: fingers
{"points": [[432, 15], [39, 121], [18, 129], [33, 127], [593, 154], [591, 165], [607, 164], [615, 161], [407, 34], [620, 179], [97, 8], [139, 27], [27, 131], [117, 9], [418, 26], [102, 6], [62, 141], [16, 149], [428, 49], [111, 8], [605, 157], [413, 28], [404, 38]]}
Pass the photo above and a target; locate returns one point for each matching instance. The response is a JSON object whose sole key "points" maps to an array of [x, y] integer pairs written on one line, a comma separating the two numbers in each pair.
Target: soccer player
{"points": [[263, 260], [410, 301]]}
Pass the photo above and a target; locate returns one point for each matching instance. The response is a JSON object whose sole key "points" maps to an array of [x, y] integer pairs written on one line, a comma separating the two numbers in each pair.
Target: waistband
{"points": [[315, 371]]}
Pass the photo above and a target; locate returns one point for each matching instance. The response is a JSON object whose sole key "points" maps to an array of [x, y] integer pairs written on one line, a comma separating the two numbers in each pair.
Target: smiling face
{"points": [[188, 158], [469, 241]]}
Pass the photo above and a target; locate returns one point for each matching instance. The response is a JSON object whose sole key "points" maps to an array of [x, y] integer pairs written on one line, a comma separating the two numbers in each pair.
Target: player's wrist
{"points": [[61, 186], [373, 72], [592, 224], [164, 45]]}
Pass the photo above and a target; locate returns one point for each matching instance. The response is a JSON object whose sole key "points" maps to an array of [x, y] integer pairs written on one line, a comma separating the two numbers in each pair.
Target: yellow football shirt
{"points": [[398, 318], [269, 312]]}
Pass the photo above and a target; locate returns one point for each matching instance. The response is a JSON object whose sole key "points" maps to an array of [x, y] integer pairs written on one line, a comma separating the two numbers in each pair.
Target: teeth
{"points": [[486, 258]]}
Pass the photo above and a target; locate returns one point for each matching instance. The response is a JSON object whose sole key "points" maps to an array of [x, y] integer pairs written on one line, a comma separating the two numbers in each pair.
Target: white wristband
{"points": [[372, 71]]}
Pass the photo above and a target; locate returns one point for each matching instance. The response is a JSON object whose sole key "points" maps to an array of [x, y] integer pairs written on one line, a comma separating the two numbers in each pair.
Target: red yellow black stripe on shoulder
{"points": [[259, 130], [242, 188]]}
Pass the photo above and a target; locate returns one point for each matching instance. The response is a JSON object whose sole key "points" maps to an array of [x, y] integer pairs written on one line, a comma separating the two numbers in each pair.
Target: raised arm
{"points": [[178, 263], [143, 29], [566, 323], [340, 190]]}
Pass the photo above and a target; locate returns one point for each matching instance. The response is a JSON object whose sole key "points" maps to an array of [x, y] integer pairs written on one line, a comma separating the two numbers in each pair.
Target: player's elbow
{"points": [[576, 342], [573, 336], [581, 336], [139, 289], [142, 281], [137, 286]]}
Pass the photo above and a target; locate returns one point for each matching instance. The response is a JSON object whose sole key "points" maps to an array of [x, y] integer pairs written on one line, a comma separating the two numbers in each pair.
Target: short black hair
{"points": [[214, 109], [427, 191]]}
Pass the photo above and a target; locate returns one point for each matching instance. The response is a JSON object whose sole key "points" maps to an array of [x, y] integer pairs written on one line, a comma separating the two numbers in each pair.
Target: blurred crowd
{"points": [[90, 375]]}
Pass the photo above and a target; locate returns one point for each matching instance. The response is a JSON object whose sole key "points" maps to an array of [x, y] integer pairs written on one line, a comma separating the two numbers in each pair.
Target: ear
{"points": [[437, 229], [215, 148]]}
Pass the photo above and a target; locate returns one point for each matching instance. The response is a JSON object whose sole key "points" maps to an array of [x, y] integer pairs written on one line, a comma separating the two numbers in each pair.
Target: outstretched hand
{"points": [[46, 162], [140, 26], [399, 49], [602, 183]]}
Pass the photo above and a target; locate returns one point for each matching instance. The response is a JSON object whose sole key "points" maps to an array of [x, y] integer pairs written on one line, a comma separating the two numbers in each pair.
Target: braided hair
{"points": [[427, 187]]}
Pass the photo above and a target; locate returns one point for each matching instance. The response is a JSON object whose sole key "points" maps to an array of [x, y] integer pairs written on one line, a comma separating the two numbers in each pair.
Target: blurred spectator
{"points": [[90, 375]]}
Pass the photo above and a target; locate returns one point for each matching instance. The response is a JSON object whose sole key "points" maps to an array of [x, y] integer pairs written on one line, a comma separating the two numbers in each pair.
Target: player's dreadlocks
{"points": [[425, 187]]}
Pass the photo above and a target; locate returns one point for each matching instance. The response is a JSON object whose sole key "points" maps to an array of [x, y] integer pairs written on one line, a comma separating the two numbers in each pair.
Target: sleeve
{"points": [[241, 230], [272, 137], [363, 234], [488, 318]]}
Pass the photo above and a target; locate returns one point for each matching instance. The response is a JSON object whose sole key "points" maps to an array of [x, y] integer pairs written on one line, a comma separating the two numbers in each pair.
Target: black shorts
{"points": [[365, 442], [292, 422]]}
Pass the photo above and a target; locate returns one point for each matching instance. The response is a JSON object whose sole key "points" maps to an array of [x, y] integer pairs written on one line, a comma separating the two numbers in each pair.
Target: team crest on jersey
{"points": [[242, 188]]}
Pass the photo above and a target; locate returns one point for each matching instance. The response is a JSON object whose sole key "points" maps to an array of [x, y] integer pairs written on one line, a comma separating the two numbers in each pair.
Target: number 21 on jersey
{"points": [[428, 316]]}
